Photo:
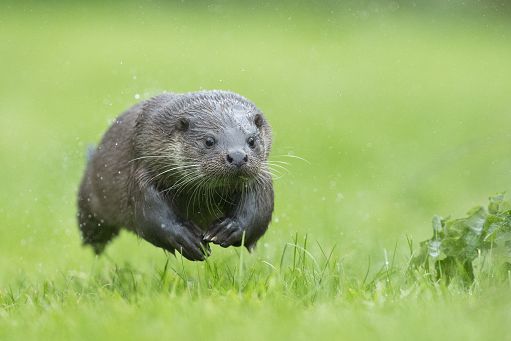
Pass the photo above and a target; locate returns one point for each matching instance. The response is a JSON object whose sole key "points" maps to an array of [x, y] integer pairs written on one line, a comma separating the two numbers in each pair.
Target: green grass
{"points": [[401, 115]]}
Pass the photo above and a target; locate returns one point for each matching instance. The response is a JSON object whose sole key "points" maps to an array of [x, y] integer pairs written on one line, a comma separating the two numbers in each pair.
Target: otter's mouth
{"points": [[233, 178], [229, 175], [240, 173], [245, 178]]}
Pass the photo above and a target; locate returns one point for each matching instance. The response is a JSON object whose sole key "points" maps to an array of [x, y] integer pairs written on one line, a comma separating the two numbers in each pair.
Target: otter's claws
{"points": [[225, 233]]}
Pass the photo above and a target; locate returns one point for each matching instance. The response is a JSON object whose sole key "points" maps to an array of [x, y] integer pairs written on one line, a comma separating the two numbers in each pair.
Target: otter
{"points": [[181, 171]]}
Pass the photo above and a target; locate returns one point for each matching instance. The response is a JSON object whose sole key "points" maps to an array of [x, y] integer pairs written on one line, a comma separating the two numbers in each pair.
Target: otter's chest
{"points": [[205, 207]]}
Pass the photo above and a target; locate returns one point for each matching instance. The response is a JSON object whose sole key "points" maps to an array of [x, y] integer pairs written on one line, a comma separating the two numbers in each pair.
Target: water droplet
{"points": [[339, 197]]}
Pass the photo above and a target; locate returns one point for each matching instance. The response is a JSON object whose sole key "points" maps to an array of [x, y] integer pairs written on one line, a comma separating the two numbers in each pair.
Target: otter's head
{"points": [[215, 138]]}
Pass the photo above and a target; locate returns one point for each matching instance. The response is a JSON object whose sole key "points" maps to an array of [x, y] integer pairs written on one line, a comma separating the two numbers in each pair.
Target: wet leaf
{"points": [[456, 243]]}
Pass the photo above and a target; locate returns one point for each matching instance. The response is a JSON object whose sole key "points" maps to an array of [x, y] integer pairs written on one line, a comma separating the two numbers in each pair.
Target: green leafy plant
{"points": [[457, 243]]}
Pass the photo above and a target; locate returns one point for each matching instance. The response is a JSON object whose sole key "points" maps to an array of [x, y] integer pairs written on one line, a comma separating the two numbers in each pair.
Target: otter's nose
{"points": [[237, 158]]}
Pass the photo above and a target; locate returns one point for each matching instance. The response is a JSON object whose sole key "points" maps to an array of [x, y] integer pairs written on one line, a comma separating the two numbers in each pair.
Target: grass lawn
{"points": [[400, 114]]}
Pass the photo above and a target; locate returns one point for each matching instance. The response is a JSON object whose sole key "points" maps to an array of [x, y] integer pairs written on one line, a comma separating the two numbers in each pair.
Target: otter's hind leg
{"points": [[94, 231]]}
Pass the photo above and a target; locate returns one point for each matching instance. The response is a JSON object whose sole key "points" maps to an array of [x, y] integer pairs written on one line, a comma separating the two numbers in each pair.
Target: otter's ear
{"points": [[258, 120], [182, 124]]}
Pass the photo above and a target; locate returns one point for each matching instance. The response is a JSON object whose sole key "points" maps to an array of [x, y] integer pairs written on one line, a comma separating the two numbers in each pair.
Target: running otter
{"points": [[181, 171]]}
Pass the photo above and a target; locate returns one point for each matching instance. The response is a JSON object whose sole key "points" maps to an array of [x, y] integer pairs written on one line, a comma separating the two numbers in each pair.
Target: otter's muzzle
{"points": [[237, 158]]}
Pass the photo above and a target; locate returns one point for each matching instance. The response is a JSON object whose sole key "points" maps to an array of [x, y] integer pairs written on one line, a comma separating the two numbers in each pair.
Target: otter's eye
{"points": [[251, 142], [210, 142]]}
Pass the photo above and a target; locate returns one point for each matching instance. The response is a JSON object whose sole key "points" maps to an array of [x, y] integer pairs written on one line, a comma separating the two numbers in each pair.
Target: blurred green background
{"points": [[402, 111]]}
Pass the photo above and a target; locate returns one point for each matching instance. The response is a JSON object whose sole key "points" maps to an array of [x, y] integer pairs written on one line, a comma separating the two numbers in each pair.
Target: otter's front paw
{"points": [[225, 233], [186, 239]]}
